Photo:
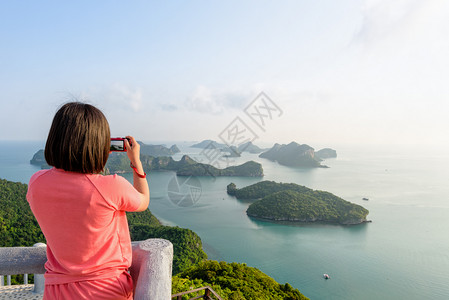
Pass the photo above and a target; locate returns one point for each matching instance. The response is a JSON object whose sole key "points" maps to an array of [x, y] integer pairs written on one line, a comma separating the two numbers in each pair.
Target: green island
{"points": [[186, 166], [191, 269], [296, 155], [296, 203]]}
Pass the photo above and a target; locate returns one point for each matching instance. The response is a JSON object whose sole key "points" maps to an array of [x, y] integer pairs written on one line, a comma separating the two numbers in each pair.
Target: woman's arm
{"points": [[140, 184]]}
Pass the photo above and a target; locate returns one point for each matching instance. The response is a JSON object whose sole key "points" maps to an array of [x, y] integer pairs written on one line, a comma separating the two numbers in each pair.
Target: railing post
{"points": [[25, 278], [207, 294], [39, 279], [151, 269]]}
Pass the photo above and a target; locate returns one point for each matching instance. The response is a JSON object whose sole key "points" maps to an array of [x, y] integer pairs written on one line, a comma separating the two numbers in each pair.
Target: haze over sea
{"points": [[402, 254]]}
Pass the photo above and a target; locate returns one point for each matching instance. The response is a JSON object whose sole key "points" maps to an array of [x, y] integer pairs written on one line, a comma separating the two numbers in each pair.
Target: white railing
{"points": [[151, 267]]}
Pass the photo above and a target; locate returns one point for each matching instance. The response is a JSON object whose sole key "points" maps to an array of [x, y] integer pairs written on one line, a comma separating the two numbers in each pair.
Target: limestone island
{"points": [[158, 150], [118, 162], [296, 203], [186, 166], [296, 155]]}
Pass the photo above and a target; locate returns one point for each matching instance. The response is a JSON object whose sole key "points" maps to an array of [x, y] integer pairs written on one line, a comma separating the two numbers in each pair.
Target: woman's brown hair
{"points": [[79, 139]]}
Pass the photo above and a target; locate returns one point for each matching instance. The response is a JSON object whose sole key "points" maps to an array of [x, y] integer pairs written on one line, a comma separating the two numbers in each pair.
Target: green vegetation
{"points": [[248, 169], [296, 203], [187, 246], [142, 217], [233, 281], [262, 189], [18, 226]]}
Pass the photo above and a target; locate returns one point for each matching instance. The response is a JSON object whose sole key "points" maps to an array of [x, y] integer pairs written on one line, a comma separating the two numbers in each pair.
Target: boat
{"points": [[366, 199], [326, 276]]}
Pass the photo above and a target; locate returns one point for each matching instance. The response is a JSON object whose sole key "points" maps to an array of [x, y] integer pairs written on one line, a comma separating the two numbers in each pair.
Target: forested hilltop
{"points": [[18, 227], [297, 203]]}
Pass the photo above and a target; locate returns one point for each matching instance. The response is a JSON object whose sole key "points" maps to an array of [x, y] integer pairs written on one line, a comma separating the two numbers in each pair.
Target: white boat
{"points": [[326, 276]]}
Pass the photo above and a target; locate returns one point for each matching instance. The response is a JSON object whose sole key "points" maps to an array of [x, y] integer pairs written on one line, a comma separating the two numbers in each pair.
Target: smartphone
{"points": [[118, 144]]}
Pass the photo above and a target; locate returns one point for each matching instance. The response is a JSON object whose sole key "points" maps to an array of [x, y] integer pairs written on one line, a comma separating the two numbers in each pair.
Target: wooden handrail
{"points": [[207, 291]]}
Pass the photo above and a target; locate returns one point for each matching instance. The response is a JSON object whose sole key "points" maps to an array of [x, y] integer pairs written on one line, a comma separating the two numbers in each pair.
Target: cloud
{"points": [[168, 107], [403, 24], [114, 97], [214, 101], [126, 97]]}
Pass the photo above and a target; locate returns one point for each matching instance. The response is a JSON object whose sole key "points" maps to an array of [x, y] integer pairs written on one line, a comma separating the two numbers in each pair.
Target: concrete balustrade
{"points": [[151, 267]]}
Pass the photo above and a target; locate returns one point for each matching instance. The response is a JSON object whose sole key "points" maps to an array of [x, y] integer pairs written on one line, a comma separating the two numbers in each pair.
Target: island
{"points": [[249, 147], [118, 162], [152, 150], [158, 150], [39, 160], [209, 143], [326, 153], [296, 203], [233, 152], [186, 166], [295, 155]]}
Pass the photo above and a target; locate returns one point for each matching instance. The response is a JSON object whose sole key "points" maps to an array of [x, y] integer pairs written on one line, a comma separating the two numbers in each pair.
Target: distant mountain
{"points": [[209, 143], [293, 155], [233, 152], [39, 160], [326, 153], [249, 147], [297, 203], [158, 150]]}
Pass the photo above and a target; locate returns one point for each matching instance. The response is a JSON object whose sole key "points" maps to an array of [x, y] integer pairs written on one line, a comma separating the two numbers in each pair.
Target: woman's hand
{"points": [[132, 150], [139, 183]]}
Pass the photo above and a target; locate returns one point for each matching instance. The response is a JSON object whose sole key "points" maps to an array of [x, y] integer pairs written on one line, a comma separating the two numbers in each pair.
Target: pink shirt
{"points": [[83, 219]]}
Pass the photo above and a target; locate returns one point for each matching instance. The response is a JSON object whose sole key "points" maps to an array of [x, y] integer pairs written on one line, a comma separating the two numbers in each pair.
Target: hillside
{"points": [[234, 281]]}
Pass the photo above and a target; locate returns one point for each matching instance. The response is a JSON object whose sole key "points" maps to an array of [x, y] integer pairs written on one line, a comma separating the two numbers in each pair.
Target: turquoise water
{"points": [[402, 254]]}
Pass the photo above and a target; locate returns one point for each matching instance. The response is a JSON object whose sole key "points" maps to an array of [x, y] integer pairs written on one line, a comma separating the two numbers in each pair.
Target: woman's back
{"points": [[83, 218]]}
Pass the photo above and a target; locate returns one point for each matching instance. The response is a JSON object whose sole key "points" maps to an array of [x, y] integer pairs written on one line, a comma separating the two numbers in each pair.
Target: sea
{"points": [[402, 254]]}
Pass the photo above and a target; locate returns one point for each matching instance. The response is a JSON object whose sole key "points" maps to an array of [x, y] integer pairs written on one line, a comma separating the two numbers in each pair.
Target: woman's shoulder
{"points": [[37, 175], [107, 179]]}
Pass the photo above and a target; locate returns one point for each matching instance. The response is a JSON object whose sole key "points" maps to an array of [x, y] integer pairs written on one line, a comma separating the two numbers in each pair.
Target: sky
{"points": [[372, 72]]}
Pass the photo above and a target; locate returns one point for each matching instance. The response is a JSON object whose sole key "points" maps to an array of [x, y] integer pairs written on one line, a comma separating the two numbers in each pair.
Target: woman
{"points": [[82, 213]]}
